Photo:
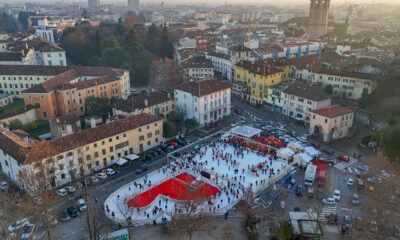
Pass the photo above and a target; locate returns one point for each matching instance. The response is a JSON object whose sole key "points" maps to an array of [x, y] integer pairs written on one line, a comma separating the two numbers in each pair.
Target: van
{"points": [[81, 205]]}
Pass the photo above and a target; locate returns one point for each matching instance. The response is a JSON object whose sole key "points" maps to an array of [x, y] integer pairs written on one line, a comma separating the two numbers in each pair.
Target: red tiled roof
{"points": [[333, 111], [203, 87]]}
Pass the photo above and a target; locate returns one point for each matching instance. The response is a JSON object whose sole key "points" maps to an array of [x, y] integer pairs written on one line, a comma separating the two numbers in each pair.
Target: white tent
{"points": [[120, 161], [285, 153], [246, 131], [302, 159], [311, 151], [296, 146], [132, 157]]}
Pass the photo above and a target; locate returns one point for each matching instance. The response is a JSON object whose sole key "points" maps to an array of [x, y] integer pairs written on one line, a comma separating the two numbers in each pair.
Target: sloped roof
{"points": [[204, 87], [138, 101], [307, 91], [333, 111]]}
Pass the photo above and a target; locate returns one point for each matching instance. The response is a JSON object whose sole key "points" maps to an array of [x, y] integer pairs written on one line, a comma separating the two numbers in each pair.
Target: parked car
{"points": [[92, 179], [243, 121], [110, 171], [336, 195], [62, 192], [257, 120], [234, 124], [101, 175], [70, 189], [363, 167], [3, 185], [18, 225], [141, 169], [310, 192], [64, 216], [355, 200], [316, 144], [27, 231], [344, 158], [73, 211], [159, 151], [328, 151], [180, 142], [329, 201], [81, 205], [373, 226], [347, 221], [350, 182], [299, 191]]}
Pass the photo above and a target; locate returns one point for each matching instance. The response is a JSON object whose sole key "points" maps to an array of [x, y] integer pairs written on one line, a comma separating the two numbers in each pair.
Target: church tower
{"points": [[318, 19]]}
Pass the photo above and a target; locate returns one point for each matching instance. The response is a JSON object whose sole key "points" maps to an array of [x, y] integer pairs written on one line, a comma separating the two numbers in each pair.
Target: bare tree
{"points": [[380, 207], [190, 215], [164, 74], [37, 178]]}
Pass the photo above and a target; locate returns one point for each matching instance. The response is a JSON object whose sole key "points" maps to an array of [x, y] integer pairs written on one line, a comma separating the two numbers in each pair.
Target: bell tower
{"points": [[318, 19]]}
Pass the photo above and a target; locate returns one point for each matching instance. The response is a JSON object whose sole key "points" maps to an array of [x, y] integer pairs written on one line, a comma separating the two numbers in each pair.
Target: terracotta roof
{"points": [[10, 56], [68, 119], [307, 91], [204, 87], [38, 70], [262, 67], [16, 112], [333, 111], [240, 48], [341, 73], [197, 62], [138, 101], [13, 145], [311, 63], [219, 55]]}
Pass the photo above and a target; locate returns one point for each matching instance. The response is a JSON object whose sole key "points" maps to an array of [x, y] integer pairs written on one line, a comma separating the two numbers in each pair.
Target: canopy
{"points": [[285, 153], [295, 146], [311, 151], [121, 161], [246, 131], [132, 157], [302, 159]]}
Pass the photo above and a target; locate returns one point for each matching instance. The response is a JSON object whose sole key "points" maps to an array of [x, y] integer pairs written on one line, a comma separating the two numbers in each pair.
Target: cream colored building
{"points": [[349, 85], [85, 151], [5, 99], [331, 122]]}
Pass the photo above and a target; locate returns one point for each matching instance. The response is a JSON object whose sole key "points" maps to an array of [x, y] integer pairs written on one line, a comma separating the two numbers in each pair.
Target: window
{"points": [[111, 149], [148, 143], [103, 142], [96, 154], [326, 120], [140, 129], [157, 132], [87, 148], [141, 138], [88, 157], [110, 140], [124, 135], [44, 114], [149, 135], [117, 137], [103, 152]]}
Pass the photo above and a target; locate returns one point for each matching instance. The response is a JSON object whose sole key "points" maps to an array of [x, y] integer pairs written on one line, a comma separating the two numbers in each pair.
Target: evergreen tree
{"points": [[120, 28], [166, 45], [132, 42]]}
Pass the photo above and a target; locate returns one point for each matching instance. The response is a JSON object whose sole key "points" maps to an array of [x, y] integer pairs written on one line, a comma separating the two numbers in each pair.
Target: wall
{"points": [[9, 166], [26, 117], [16, 84], [6, 100]]}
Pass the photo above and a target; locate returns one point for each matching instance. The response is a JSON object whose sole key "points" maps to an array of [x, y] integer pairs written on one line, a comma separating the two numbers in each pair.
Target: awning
{"points": [[121, 161], [246, 131], [132, 157]]}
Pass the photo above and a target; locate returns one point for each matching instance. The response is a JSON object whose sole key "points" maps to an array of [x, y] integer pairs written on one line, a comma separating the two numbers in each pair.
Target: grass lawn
{"points": [[17, 104]]}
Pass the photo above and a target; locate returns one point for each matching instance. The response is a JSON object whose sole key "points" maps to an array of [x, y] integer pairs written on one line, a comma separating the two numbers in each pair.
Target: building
{"points": [[289, 50], [32, 50], [262, 74], [346, 84], [198, 67], [222, 64], [301, 98], [206, 101], [331, 122], [64, 125], [133, 4], [239, 53], [5, 99], [276, 97], [86, 151], [26, 114], [156, 103], [318, 19], [304, 68], [93, 3], [65, 93]]}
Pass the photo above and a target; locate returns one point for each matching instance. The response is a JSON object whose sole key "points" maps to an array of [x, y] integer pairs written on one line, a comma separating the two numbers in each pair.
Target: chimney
{"points": [[146, 103], [92, 123], [69, 129]]}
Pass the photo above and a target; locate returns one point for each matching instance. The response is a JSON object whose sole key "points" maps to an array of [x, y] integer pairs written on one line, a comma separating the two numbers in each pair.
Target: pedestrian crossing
{"points": [[326, 211], [343, 165]]}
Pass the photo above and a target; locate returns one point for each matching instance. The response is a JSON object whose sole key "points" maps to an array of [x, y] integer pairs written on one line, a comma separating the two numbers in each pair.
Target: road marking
{"points": [[349, 169], [325, 211], [343, 165]]}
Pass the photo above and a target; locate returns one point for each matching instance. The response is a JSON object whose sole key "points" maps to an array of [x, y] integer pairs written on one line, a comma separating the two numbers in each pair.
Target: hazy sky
{"points": [[272, 2]]}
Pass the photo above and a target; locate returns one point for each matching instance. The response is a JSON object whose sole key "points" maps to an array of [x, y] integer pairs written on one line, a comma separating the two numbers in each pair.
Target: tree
{"points": [[98, 105], [191, 123], [168, 129], [191, 215], [85, 14], [115, 57], [363, 103], [132, 42], [120, 28], [15, 124], [164, 74], [38, 177], [380, 205], [166, 45], [109, 43], [285, 231], [392, 144], [6, 23]]}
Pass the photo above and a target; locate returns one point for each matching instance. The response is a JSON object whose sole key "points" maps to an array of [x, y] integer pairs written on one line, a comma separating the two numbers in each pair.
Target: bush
{"points": [[392, 121], [16, 124], [29, 126]]}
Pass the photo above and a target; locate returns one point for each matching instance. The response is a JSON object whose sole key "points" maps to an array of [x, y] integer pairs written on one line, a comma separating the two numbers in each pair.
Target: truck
{"points": [[321, 178], [310, 174]]}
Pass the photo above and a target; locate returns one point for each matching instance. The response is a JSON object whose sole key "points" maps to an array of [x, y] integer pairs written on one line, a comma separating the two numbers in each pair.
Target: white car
{"points": [[110, 171], [62, 192], [101, 175], [234, 124], [94, 179], [27, 231], [70, 189], [336, 195], [4, 185], [329, 201], [81, 205], [350, 182], [38, 200], [18, 224]]}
